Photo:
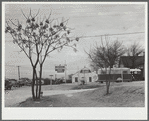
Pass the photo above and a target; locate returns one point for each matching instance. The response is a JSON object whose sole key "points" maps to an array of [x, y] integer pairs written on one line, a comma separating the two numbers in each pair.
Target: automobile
{"points": [[8, 85], [28, 83], [68, 81], [57, 81], [16, 84]]}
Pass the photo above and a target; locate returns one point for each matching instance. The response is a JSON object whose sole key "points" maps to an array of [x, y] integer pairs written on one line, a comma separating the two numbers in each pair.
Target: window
{"points": [[76, 79]]}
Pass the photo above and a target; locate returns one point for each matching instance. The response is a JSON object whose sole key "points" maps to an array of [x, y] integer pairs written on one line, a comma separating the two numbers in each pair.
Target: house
{"points": [[84, 74], [133, 62]]}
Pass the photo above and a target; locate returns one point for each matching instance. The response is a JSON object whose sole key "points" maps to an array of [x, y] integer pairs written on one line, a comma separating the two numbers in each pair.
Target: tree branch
{"points": [[23, 14]]}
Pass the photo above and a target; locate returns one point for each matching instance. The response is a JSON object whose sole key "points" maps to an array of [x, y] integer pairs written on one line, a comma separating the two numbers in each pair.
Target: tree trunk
{"points": [[40, 76], [33, 83], [36, 85], [108, 88], [108, 81]]}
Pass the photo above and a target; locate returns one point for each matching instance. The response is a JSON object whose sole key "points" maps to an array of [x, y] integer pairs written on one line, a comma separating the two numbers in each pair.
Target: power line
{"points": [[112, 34], [17, 66], [128, 13], [106, 34], [10, 65]]}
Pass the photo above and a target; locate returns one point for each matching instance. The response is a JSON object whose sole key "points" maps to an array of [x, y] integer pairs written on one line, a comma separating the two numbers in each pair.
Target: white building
{"points": [[84, 74]]}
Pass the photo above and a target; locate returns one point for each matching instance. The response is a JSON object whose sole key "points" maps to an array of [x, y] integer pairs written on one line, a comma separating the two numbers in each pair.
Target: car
{"points": [[8, 85]]}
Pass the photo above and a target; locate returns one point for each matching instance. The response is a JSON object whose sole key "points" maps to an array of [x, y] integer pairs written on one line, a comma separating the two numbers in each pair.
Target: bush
{"points": [[47, 81], [82, 82], [68, 81]]}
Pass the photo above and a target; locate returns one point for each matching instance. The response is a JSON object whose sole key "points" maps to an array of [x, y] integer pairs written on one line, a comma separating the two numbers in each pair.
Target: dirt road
{"points": [[21, 94]]}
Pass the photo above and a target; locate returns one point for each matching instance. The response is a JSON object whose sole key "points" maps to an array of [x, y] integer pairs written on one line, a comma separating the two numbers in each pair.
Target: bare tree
{"points": [[133, 52], [37, 39], [106, 55]]}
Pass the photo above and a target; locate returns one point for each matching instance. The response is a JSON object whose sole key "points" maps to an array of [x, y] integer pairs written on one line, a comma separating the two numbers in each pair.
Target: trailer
{"points": [[116, 74]]}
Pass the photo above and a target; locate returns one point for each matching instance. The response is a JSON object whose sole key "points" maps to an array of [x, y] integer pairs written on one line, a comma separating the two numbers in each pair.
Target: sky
{"points": [[87, 20]]}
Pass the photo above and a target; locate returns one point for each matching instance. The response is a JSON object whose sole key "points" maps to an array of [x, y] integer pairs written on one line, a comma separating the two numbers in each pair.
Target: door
{"points": [[76, 79], [90, 79]]}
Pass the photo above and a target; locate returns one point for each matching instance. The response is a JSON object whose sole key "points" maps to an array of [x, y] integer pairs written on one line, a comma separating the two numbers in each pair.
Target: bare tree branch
{"points": [[23, 14]]}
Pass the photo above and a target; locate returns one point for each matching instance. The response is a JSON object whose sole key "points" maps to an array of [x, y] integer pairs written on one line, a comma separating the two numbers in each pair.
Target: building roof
{"points": [[127, 61], [83, 69]]}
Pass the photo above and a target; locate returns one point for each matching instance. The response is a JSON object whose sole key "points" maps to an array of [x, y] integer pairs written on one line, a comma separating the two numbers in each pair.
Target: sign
{"points": [[85, 71], [60, 69]]}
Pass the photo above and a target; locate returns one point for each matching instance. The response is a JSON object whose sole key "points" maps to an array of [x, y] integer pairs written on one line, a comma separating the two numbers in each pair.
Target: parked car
{"points": [[58, 81], [68, 81], [16, 85], [28, 83], [8, 85]]}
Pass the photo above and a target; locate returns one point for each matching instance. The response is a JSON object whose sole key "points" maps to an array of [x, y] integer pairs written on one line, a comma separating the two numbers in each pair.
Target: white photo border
{"points": [[98, 113]]}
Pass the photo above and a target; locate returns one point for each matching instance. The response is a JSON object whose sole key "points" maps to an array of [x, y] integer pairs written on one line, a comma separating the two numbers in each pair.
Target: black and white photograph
{"points": [[74, 60]]}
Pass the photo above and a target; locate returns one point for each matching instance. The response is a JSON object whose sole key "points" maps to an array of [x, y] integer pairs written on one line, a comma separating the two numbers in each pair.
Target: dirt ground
{"points": [[16, 95], [129, 94]]}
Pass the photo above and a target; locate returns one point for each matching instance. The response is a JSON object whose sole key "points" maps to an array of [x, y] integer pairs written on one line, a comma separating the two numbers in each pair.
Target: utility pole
{"points": [[65, 71], [84, 74], [78, 75], [143, 66], [55, 77], [51, 81], [122, 74], [18, 72]]}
